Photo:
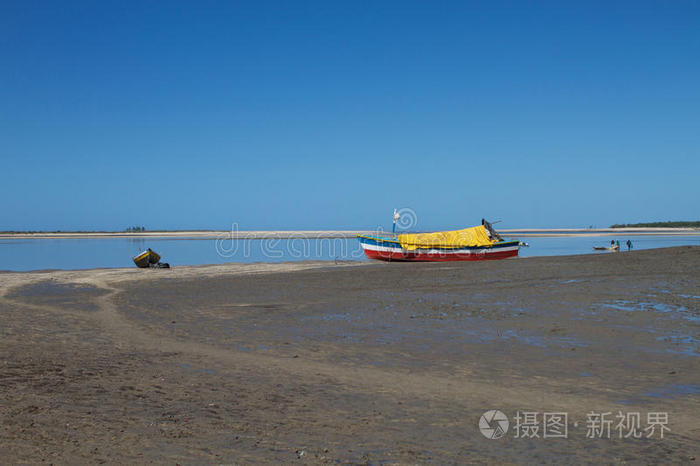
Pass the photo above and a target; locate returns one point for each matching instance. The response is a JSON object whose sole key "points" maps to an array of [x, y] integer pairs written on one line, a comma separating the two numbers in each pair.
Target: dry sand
{"points": [[352, 363]]}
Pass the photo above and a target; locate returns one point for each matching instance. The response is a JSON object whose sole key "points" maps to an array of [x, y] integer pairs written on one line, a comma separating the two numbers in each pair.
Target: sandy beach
{"points": [[370, 363]]}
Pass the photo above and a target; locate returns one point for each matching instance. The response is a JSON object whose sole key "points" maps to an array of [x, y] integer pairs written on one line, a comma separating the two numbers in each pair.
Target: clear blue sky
{"points": [[329, 115]]}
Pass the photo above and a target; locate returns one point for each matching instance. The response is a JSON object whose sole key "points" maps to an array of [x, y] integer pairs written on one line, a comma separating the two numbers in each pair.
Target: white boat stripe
{"points": [[374, 247]]}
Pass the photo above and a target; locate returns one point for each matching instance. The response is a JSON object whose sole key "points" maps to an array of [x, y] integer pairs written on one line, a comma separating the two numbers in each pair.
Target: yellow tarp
{"points": [[475, 236]]}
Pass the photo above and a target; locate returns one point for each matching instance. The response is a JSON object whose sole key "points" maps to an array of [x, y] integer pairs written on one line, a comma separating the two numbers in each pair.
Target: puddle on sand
{"points": [[686, 344], [669, 391], [247, 349], [330, 317], [56, 294], [673, 391], [191, 368], [532, 340], [50, 288], [631, 306]]}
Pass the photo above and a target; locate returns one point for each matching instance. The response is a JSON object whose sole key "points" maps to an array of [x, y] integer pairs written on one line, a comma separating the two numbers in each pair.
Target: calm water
{"points": [[37, 254]]}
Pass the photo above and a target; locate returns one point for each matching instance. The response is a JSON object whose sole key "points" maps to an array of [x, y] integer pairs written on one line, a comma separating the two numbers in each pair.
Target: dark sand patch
{"points": [[73, 296]]}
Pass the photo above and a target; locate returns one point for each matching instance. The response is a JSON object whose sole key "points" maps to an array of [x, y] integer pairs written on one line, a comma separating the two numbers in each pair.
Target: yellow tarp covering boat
{"points": [[475, 236]]}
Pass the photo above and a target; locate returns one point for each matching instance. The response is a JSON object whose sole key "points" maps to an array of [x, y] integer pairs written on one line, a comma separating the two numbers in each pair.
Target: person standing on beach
{"points": [[629, 245], [617, 244]]}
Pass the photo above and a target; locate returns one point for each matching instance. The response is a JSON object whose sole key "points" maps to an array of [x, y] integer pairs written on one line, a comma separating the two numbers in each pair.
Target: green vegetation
{"points": [[679, 224]]}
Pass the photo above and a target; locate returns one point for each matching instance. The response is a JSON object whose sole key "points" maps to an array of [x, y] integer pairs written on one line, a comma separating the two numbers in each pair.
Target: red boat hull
{"points": [[420, 257]]}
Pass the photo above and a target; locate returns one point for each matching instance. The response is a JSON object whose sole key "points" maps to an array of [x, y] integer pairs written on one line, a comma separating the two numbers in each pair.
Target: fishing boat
{"points": [[476, 243], [147, 258]]}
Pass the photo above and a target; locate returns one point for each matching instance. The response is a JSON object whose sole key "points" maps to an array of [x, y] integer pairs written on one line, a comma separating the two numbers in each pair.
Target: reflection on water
{"points": [[36, 254]]}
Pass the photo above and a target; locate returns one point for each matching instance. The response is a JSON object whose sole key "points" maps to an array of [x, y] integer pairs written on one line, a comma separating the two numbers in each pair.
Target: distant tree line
{"points": [[658, 225], [135, 229]]}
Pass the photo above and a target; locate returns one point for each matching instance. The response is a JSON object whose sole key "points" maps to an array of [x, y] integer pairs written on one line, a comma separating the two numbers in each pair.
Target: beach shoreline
{"points": [[351, 362]]}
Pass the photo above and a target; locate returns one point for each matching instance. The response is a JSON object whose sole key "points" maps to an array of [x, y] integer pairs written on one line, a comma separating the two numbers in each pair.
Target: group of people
{"points": [[616, 244]]}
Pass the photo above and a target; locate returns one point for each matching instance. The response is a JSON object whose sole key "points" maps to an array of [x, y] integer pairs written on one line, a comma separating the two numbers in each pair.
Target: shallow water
{"points": [[84, 253], [674, 390], [559, 246], [633, 306]]}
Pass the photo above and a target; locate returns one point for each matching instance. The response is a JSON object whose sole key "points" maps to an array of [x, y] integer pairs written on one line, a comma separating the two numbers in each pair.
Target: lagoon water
{"points": [[82, 253]]}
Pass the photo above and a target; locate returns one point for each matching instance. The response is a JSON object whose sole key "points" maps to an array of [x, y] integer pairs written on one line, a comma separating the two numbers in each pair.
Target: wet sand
{"points": [[350, 362]]}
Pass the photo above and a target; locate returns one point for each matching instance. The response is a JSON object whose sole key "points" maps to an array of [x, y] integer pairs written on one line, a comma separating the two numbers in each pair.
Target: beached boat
{"points": [[146, 259], [606, 248], [476, 243]]}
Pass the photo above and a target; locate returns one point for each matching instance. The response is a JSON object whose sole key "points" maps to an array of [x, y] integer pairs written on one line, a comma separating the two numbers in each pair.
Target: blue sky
{"points": [[297, 115]]}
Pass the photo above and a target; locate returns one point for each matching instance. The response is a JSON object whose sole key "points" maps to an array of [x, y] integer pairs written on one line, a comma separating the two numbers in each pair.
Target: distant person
{"points": [[629, 245], [617, 244], [612, 243]]}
